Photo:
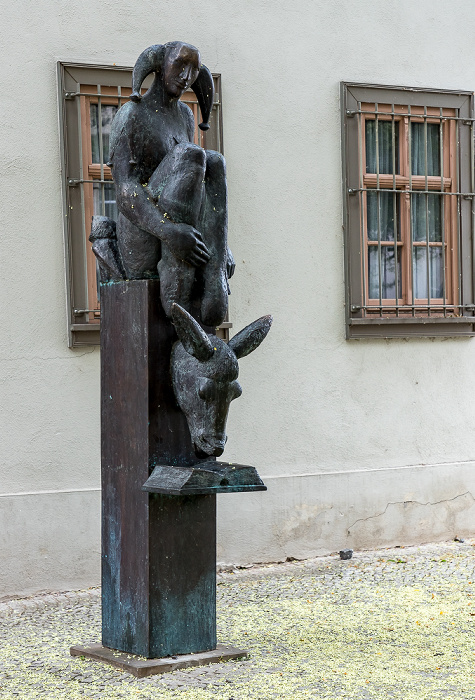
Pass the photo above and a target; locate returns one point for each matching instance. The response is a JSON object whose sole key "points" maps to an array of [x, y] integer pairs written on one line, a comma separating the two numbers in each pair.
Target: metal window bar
{"points": [[442, 210], [98, 181], [101, 149], [395, 218], [442, 267], [119, 105], [200, 133], [355, 190], [83, 199], [420, 307], [362, 202], [411, 233], [217, 107], [105, 96], [428, 245], [472, 175], [459, 213], [426, 197], [378, 203], [101, 163], [351, 113]]}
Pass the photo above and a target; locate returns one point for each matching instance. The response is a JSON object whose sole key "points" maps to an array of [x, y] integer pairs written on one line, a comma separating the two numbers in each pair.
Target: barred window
{"points": [[408, 217], [89, 97]]}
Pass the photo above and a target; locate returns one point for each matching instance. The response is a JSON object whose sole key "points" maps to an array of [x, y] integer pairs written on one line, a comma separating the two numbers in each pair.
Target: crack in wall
{"points": [[400, 503]]}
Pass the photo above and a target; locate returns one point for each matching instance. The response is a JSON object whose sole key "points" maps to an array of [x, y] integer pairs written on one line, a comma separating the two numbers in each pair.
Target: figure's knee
{"points": [[215, 165], [190, 154]]}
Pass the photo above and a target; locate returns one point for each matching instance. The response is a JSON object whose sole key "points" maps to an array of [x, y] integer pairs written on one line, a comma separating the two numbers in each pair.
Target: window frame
{"points": [[364, 316], [78, 173]]}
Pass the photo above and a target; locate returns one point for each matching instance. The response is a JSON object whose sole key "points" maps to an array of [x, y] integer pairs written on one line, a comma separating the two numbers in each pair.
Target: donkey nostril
{"points": [[224, 482]]}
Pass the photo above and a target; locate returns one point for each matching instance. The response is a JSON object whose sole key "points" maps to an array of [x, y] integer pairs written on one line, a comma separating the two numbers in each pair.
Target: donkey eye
{"points": [[235, 390], [206, 388]]}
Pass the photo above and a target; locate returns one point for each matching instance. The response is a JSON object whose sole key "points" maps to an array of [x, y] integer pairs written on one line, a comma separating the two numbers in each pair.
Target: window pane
{"points": [[388, 203], [421, 206], [108, 114], [436, 272], [385, 147], [388, 272], [104, 200], [418, 151]]}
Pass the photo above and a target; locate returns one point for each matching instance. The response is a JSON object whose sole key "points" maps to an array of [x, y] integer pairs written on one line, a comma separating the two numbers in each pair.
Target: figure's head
{"points": [[181, 67]]}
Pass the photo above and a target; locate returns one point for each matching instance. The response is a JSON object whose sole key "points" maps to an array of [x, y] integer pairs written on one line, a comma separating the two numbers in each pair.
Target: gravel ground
{"points": [[396, 623]]}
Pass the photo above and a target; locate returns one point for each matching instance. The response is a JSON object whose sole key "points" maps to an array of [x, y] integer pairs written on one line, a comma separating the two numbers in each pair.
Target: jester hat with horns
{"points": [[151, 61]]}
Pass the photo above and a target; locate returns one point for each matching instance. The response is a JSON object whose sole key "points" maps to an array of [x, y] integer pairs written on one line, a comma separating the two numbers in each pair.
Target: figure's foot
{"points": [[104, 245]]}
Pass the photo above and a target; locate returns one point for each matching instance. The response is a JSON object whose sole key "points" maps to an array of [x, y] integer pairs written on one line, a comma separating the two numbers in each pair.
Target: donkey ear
{"points": [[250, 337], [194, 339]]}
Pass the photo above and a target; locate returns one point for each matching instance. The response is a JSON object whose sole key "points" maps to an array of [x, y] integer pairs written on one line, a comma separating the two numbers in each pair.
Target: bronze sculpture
{"points": [[166, 380], [172, 201], [171, 194]]}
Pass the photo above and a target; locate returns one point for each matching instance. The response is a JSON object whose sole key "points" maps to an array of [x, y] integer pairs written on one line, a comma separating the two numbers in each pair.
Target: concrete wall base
{"points": [[50, 541], [301, 516], [309, 515]]}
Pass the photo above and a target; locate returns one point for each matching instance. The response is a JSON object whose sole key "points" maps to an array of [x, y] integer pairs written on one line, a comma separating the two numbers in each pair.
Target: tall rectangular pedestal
{"points": [[158, 551]]}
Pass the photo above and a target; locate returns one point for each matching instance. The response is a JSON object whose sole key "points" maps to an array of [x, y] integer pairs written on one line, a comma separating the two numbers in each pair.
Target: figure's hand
{"points": [[186, 243], [230, 264]]}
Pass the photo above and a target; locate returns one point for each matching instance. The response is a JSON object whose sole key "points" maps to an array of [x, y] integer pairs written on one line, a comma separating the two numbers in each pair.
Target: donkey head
{"points": [[204, 372]]}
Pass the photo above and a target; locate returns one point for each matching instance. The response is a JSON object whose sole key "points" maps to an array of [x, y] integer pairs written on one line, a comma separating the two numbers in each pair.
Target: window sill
{"points": [[84, 334], [411, 327]]}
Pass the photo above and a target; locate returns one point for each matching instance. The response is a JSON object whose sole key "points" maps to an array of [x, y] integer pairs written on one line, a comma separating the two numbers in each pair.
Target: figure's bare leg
{"points": [[213, 225], [177, 187], [139, 250]]}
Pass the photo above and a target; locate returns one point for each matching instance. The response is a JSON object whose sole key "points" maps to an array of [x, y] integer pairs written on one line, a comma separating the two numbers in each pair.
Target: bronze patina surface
{"points": [[167, 380]]}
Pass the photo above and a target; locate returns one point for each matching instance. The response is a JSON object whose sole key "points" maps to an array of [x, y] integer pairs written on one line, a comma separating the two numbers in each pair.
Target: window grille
{"points": [[408, 182], [89, 97]]}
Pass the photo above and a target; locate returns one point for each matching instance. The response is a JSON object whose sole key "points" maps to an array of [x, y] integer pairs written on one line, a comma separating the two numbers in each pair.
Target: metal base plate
{"points": [[141, 667]]}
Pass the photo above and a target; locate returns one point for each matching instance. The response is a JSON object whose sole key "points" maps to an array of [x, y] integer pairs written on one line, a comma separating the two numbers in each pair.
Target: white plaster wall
{"points": [[316, 409]]}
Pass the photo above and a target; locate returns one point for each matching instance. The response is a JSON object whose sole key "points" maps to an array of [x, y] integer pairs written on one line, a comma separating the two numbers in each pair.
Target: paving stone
{"points": [[45, 624]]}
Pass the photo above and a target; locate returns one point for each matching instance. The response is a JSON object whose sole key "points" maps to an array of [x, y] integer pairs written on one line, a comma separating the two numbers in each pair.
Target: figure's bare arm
{"points": [[135, 203], [189, 120]]}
